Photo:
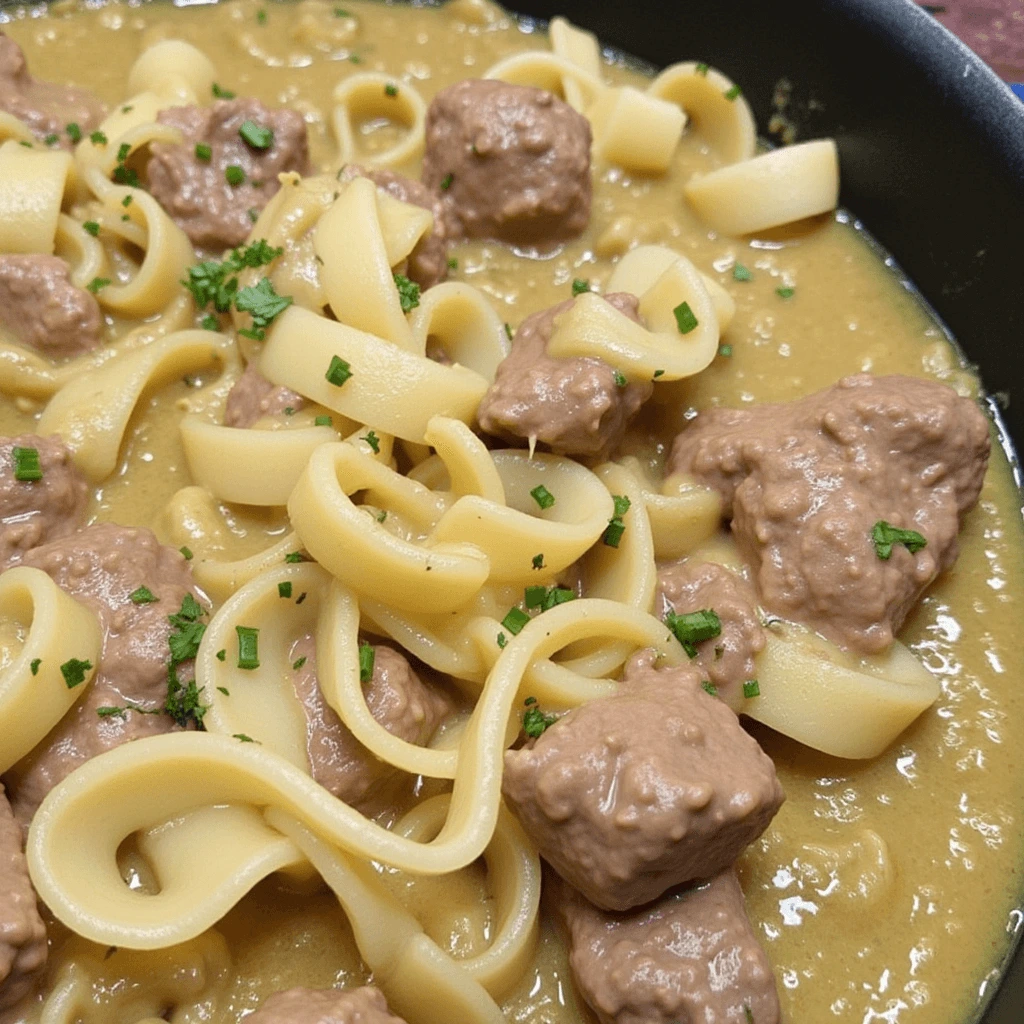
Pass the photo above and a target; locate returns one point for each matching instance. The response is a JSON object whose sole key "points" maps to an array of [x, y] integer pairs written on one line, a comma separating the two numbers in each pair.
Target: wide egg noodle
{"points": [[34, 185], [371, 95]]}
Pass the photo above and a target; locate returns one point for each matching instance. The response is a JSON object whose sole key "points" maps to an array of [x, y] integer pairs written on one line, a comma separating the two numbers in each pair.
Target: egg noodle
{"points": [[431, 559]]}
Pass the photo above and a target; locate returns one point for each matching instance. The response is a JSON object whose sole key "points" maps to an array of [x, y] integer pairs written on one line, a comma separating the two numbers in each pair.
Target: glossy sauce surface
{"points": [[883, 891]]}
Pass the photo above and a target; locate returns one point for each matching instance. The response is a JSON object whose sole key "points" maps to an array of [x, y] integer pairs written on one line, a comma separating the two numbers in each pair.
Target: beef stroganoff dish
{"points": [[482, 540]]}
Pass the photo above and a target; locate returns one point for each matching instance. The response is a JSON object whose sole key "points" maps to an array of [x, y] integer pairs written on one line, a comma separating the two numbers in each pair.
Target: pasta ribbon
{"points": [[175, 71], [34, 183], [769, 190], [824, 698], [593, 327], [636, 129], [390, 389], [580, 48], [716, 106], [12, 128], [552, 72], [72, 846], [373, 95], [252, 467], [91, 412], [83, 252], [168, 251], [34, 695], [360, 552]]}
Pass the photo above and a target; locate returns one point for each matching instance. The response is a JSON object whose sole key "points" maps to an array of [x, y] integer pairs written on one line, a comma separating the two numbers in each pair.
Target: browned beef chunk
{"points": [[22, 932], [34, 512], [398, 699], [253, 396], [102, 566], [211, 210], [428, 262], [573, 405], [326, 1006], [41, 308], [653, 787], [690, 958], [47, 108], [727, 660], [512, 162], [805, 483]]}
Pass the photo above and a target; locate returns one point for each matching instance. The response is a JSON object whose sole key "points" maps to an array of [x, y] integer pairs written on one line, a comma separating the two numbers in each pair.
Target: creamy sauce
{"points": [[883, 891]]}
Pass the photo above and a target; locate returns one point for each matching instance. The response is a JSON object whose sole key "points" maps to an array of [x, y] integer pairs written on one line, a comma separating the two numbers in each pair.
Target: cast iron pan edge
{"points": [[932, 155]]}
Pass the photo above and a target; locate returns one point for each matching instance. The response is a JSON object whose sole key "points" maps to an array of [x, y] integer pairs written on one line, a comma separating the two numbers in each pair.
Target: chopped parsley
{"points": [[709, 687], [751, 688], [126, 202], [366, 659], [294, 557], [263, 304], [542, 496], [242, 738], [702, 70], [216, 281], [51, 139], [446, 181], [741, 273], [785, 293], [92, 227], [731, 94], [34, 665], [74, 672], [222, 94], [392, 90], [97, 283], [579, 286], [222, 654], [453, 263], [298, 663], [97, 138], [261, 17], [502, 640], [659, 373], [338, 372], [538, 561], [186, 553], [616, 527], [725, 350], [74, 132], [546, 598], [884, 536], [372, 440], [109, 711], [234, 175], [535, 722], [143, 595], [124, 175], [508, 331], [514, 620], [248, 647], [204, 152], [694, 628], [284, 589], [323, 421], [408, 293], [223, 689], [685, 319], [26, 464], [210, 323], [256, 135], [620, 379]]}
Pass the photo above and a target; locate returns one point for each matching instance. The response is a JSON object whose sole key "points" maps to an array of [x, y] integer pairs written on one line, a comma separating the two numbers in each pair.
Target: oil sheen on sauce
{"points": [[883, 891]]}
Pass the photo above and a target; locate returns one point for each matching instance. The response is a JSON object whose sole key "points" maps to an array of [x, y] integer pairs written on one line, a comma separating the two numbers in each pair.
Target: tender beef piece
{"points": [[42, 308], [518, 160], [47, 108], [728, 659], [253, 396], [428, 262], [398, 699], [195, 192], [632, 794], [22, 932], [101, 566], [34, 512], [365, 1005], [690, 958], [804, 483], [573, 405]]}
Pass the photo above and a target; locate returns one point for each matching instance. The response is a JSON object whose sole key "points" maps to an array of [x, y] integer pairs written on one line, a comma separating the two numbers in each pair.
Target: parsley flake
{"points": [[884, 536], [408, 293]]}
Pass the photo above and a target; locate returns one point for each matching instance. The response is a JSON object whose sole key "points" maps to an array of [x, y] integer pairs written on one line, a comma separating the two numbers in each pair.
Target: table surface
{"points": [[994, 29]]}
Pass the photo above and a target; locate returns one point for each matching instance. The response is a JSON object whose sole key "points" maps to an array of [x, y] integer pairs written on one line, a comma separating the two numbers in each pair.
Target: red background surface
{"points": [[994, 29]]}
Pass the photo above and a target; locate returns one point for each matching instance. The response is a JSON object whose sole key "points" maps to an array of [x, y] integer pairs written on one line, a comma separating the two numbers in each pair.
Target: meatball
{"points": [[576, 406], [365, 1005], [512, 163]]}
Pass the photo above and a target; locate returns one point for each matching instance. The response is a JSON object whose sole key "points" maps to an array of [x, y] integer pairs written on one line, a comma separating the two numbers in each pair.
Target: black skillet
{"points": [[932, 154]]}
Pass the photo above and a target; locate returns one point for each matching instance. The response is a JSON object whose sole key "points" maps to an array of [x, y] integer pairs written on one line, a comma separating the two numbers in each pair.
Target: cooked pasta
{"points": [[406, 551]]}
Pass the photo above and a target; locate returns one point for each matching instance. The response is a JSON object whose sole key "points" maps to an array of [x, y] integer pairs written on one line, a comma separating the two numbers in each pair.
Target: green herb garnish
{"points": [[884, 535]]}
